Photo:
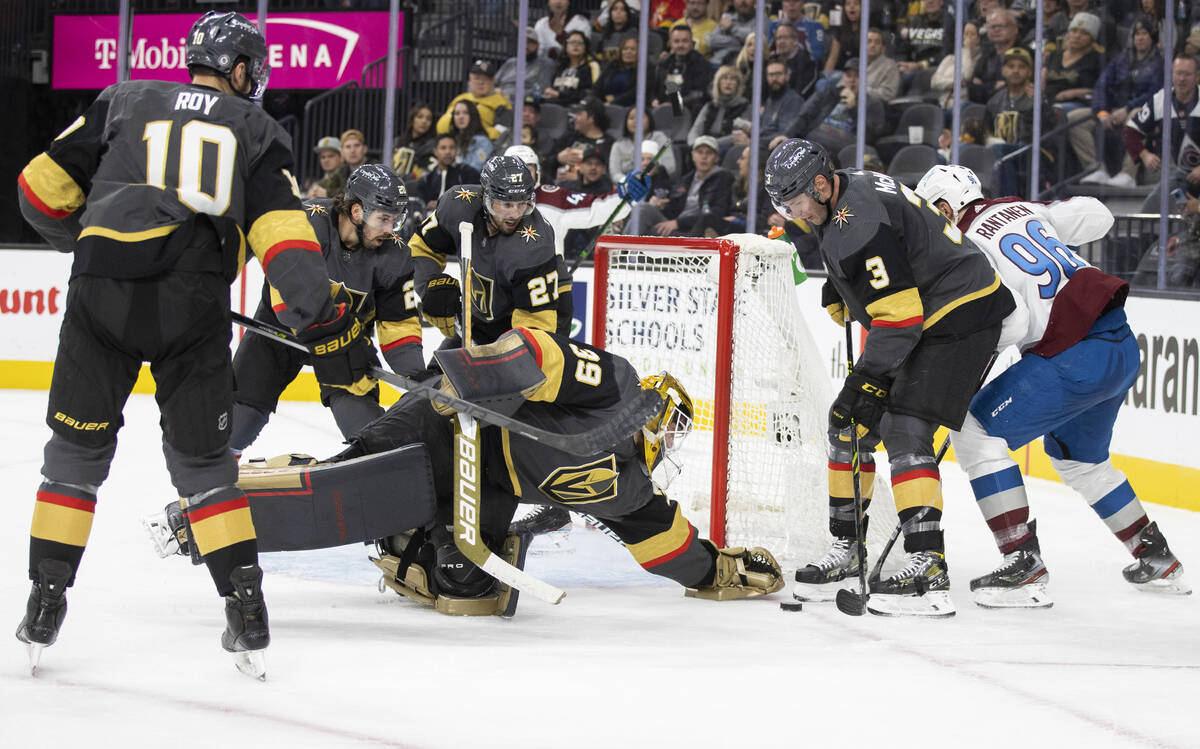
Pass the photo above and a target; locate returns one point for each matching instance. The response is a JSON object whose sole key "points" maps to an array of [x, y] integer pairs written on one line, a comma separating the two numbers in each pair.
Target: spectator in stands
{"points": [[620, 160], [482, 92], [727, 104], [552, 29], [1183, 253], [1105, 36], [590, 123], [745, 59], [414, 147], [539, 70], [1070, 73], [618, 80], [925, 38], [725, 41], [1143, 132], [706, 189], [1009, 120], [622, 24], [577, 72], [802, 71], [354, 149], [780, 106], [660, 178], [698, 19], [714, 224], [1054, 23], [684, 70], [475, 141], [333, 168], [1001, 33], [592, 175], [447, 172], [810, 32], [942, 80], [830, 116], [1128, 81], [883, 76], [843, 43]]}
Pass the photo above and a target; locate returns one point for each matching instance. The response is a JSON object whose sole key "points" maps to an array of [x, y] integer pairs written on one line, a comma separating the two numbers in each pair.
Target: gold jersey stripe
{"points": [[663, 544], [128, 236], [903, 305], [391, 331], [277, 231], [506, 445], [544, 320], [223, 529], [418, 248], [62, 524], [52, 185], [936, 316], [550, 359], [919, 492]]}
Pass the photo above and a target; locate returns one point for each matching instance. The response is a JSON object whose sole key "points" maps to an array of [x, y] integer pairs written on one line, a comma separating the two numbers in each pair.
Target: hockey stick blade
{"points": [[621, 425], [850, 602]]}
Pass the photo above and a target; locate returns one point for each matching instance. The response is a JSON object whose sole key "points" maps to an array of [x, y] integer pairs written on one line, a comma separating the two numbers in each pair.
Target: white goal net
{"points": [[722, 316]]}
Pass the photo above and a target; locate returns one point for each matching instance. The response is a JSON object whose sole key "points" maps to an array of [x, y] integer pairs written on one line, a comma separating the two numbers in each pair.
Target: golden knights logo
{"points": [[591, 482], [464, 194], [315, 209], [529, 233], [482, 289], [843, 216], [358, 298]]}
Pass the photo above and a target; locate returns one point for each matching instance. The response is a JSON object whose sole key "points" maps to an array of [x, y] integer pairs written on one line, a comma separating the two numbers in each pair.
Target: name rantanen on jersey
{"points": [[996, 222]]}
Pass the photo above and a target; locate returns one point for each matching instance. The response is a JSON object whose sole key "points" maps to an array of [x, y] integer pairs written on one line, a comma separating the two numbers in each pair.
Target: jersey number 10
{"points": [[192, 137]]}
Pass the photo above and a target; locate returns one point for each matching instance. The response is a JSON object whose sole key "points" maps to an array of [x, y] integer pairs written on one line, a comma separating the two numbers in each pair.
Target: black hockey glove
{"points": [[341, 351], [834, 305], [863, 400], [441, 303]]}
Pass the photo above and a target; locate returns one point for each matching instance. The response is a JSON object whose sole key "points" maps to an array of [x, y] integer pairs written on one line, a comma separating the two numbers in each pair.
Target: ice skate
{"points": [[1019, 582], [1156, 569], [45, 609], [920, 588], [246, 635], [551, 528], [818, 581]]}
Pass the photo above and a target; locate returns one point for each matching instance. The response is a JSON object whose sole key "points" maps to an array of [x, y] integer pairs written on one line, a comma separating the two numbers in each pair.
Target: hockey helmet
{"points": [[219, 40], [663, 435], [791, 169], [382, 195], [957, 185], [506, 179], [530, 157]]}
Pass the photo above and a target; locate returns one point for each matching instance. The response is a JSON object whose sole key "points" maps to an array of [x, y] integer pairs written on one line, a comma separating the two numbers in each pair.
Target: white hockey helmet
{"points": [[530, 157], [957, 185]]}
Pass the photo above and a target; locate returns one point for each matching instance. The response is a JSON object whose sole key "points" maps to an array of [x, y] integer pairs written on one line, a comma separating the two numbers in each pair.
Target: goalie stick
{"points": [[850, 602], [625, 422]]}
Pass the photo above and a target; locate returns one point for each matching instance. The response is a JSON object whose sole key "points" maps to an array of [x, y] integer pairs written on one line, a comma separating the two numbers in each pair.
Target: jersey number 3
{"points": [[192, 138]]}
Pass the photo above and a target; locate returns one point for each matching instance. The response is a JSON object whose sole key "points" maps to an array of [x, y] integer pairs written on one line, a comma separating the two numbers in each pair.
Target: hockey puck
{"points": [[791, 606]]}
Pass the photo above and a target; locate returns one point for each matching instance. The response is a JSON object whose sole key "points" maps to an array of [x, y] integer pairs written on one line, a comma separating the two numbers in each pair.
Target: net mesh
{"points": [[662, 314]]}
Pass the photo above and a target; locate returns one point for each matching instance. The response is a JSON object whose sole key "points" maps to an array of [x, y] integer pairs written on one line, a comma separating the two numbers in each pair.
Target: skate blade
{"points": [[1171, 585], [252, 663], [34, 651], [1032, 596], [811, 593], [934, 604], [554, 542], [164, 540]]}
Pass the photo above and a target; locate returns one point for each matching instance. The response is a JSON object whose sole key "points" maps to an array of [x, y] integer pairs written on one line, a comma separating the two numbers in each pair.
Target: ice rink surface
{"points": [[624, 661]]}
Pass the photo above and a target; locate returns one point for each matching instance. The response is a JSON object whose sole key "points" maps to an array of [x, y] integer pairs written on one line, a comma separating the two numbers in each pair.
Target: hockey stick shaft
{"points": [[632, 416], [615, 212], [856, 480]]}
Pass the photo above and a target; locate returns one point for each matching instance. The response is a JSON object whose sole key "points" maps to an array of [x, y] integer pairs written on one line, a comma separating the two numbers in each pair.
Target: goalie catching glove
{"points": [[441, 303], [862, 401], [340, 347], [741, 573]]}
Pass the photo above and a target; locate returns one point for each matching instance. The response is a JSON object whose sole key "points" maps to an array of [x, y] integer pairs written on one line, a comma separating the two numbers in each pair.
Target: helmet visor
{"points": [[260, 73], [384, 220]]}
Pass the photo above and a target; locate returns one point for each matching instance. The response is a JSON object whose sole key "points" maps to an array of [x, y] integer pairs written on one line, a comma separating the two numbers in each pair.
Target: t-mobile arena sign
{"points": [[306, 50]]}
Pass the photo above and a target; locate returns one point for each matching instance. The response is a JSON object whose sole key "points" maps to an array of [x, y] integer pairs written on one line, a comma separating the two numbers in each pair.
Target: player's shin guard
{"points": [[1112, 498], [841, 489], [996, 482], [916, 485], [62, 522], [223, 533]]}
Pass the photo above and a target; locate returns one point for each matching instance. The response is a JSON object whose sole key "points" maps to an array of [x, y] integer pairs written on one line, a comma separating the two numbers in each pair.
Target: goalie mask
{"points": [[663, 435], [508, 191], [220, 40], [957, 185]]}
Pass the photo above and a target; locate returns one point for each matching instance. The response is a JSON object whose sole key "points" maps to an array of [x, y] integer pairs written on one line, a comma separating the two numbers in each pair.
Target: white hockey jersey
{"points": [[1028, 242], [565, 210]]}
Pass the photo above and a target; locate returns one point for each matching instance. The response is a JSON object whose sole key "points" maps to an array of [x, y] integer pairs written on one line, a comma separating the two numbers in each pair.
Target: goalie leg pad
{"points": [[299, 504], [741, 573]]}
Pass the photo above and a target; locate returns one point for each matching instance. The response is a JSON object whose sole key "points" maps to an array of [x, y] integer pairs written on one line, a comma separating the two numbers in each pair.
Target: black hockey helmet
{"points": [[382, 194], [791, 169], [506, 178], [219, 40]]}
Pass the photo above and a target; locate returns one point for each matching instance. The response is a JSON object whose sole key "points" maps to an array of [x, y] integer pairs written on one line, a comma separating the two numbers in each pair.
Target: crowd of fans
{"points": [[1102, 66]]}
